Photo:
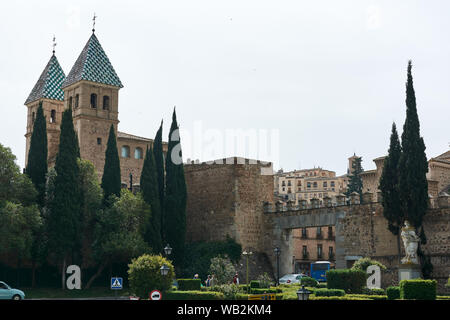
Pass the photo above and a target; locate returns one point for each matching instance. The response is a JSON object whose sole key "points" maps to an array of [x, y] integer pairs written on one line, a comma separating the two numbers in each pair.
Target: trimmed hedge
{"points": [[352, 281], [337, 298], [418, 289], [329, 293], [193, 295], [189, 284], [393, 292], [309, 282], [254, 284], [374, 291], [267, 290], [367, 296], [322, 285]]}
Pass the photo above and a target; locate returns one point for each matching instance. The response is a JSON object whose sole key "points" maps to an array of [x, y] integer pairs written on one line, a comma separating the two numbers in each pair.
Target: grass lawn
{"points": [[35, 293]]}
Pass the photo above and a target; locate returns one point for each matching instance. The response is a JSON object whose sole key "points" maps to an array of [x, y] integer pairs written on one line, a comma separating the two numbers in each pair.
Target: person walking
{"points": [[208, 281], [236, 279]]}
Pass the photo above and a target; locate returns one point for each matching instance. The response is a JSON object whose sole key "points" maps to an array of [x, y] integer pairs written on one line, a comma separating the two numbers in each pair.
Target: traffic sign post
{"points": [[116, 284], [155, 295]]}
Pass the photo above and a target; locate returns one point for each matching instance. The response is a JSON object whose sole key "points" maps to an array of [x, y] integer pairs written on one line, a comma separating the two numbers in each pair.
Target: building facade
{"points": [[91, 89]]}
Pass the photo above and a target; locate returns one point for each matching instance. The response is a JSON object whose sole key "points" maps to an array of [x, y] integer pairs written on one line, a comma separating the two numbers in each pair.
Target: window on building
{"points": [[53, 116], [289, 182], [330, 253], [70, 102], [33, 117], [305, 251], [125, 151], [315, 184], [138, 153], [319, 251], [330, 232], [99, 141], [308, 185], [325, 184], [283, 184], [304, 234], [289, 190], [77, 100], [332, 184], [93, 100], [319, 232], [105, 103]]}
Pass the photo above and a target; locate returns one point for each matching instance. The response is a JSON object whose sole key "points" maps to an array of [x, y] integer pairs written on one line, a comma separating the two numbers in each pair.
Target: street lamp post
{"points": [[168, 250], [165, 269], [277, 254], [303, 294], [246, 254]]}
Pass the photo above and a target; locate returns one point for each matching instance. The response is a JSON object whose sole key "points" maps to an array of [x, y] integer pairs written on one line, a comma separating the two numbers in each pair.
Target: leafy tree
{"points": [[91, 196], [413, 167], [175, 195], [144, 275], [389, 188], [159, 163], [364, 263], [355, 183], [118, 231], [64, 221], [150, 194], [222, 269], [111, 180], [37, 156]]}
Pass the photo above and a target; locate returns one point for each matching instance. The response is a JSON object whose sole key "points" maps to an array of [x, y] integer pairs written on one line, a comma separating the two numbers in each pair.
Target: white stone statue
{"points": [[410, 242]]}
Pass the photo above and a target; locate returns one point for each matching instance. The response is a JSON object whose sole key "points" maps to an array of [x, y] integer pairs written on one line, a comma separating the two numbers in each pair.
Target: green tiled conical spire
{"points": [[93, 65], [49, 83]]}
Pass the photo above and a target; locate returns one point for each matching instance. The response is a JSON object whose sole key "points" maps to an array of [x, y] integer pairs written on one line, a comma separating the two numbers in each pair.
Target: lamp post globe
{"points": [[164, 270], [168, 250], [303, 294]]}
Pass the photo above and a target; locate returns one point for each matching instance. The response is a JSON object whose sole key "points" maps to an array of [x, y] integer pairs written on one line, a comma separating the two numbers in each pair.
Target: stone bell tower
{"points": [[47, 91], [92, 90]]}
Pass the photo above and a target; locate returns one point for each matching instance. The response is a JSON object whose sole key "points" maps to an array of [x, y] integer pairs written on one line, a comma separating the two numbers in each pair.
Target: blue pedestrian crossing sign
{"points": [[116, 283]]}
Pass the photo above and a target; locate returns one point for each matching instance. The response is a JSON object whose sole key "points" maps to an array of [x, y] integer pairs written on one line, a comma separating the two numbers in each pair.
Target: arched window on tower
{"points": [[70, 102], [93, 100], [125, 151], [33, 117], [53, 116], [105, 103], [138, 153], [77, 100]]}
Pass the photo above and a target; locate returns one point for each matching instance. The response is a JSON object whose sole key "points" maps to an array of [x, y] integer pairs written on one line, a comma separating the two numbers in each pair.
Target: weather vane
{"points": [[93, 24], [54, 44]]}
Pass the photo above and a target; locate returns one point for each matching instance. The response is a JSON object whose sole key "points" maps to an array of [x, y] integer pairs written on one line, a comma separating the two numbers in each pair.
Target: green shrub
{"points": [[352, 281], [374, 291], [189, 284], [264, 280], [265, 290], [329, 292], [393, 293], [230, 291], [222, 269], [367, 296], [254, 284], [321, 285], [337, 298], [192, 295], [442, 297], [144, 275], [308, 281], [363, 263], [418, 289]]}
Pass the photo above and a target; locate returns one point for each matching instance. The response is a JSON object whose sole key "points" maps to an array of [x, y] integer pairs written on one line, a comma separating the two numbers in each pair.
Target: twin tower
{"points": [[91, 89]]}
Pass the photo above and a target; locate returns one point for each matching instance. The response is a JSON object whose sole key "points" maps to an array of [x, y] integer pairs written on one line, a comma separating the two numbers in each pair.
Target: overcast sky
{"points": [[324, 78]]}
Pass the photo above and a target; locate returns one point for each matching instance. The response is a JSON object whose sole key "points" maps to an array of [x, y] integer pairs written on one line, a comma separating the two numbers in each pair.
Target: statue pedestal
{"points": [[409, 271]]}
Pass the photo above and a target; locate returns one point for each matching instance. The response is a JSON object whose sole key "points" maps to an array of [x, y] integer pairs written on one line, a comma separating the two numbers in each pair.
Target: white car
{"points": [[291, 278]]}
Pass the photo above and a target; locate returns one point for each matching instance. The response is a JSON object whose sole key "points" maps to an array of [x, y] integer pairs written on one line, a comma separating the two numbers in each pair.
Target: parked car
{"points": [[6, 292], [291, 278]]}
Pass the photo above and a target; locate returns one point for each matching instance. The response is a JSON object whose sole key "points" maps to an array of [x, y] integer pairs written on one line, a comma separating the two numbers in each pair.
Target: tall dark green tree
{"points": [[37, 155], [413, 167], [111, 181], [159, 161], [175, 196], [64, 222], [150, 194], [389, 188], [355, 183]]}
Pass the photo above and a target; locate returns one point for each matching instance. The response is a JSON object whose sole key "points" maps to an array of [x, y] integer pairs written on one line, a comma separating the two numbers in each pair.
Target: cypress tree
{"points": [[159, 161], [37, 156], [111, 181], [64, 223], [175, 196], [413, 167], [355, 184], [389, 188], [150, 194]]}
